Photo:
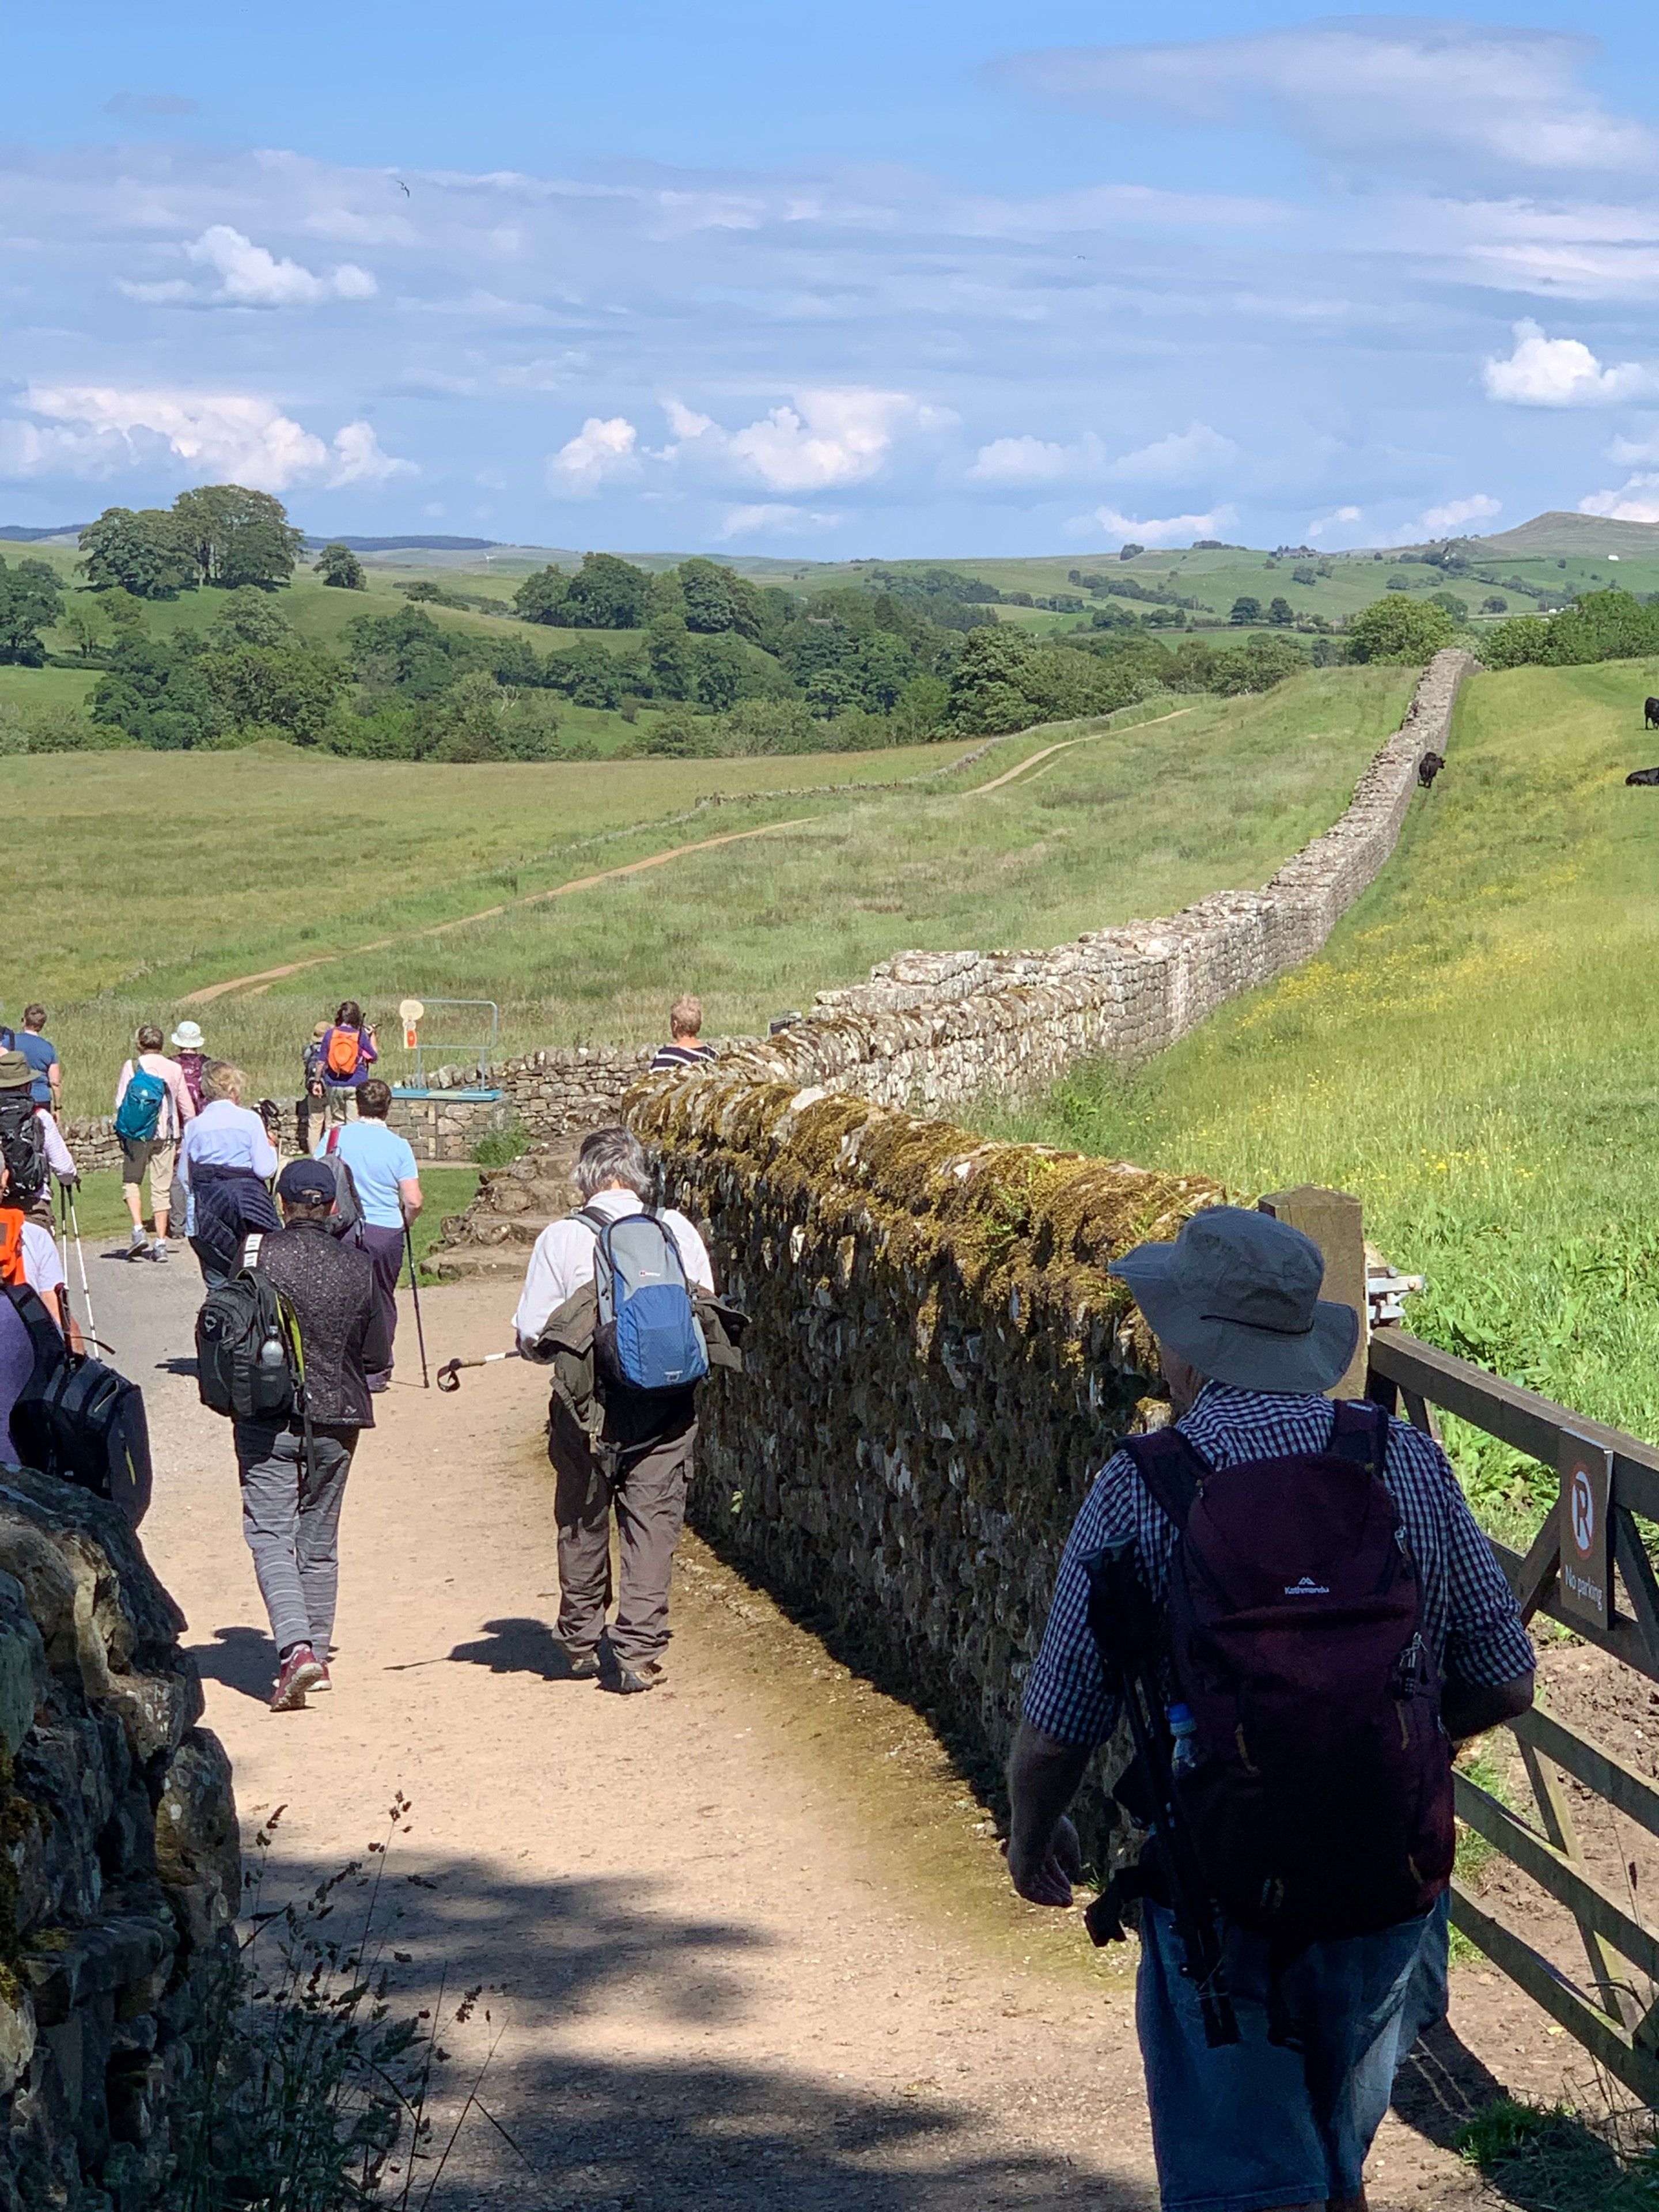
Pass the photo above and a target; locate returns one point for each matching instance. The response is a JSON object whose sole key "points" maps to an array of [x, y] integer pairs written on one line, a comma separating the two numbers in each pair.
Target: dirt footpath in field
{"points": [[744, 1940]]}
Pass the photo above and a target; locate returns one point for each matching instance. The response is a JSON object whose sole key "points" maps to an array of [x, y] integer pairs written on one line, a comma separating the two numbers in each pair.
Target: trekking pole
{"points": [[415, 1292], [80, 1257], [449, 1375]]}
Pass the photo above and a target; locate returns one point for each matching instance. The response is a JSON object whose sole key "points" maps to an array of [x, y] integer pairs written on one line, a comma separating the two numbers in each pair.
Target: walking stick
{"points": [[415, 1291], [449, 1375], [79, 1253]]}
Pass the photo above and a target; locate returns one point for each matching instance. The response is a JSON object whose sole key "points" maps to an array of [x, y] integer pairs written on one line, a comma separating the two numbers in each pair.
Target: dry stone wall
{"points": [[120, 1867], [933, 1030], [937, 1363]]}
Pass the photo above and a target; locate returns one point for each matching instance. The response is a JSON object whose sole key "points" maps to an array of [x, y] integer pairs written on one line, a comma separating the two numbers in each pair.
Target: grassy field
{"points": [[166, 873], [1475, 1056]]}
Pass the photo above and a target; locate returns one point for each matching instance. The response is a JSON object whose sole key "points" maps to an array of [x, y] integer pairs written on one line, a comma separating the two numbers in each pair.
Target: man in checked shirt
{"points": [[1249, 1349]]}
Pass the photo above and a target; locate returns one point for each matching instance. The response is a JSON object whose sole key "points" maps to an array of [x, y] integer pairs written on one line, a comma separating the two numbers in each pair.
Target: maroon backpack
{"points": [[1320, 1800]]}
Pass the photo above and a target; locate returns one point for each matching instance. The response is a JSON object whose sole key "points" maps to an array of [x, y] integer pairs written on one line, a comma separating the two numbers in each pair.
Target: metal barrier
{"points": [[464, 1051], [1618, 2021]]}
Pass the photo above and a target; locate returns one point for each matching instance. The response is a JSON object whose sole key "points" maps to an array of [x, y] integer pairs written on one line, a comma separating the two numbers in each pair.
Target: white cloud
{"points": [[1636, 500], [1184, 457], [360, 458], [1441, 521], [1115, 529], [95, 431], [1029, 460], [1544, 372], [601, 451], [1343, 519], [774, 518], [251, 275], [1363, 84], [828, 438]]}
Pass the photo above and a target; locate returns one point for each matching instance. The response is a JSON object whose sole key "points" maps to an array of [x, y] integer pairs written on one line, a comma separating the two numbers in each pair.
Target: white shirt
{"points": [[42, 1269], [58, 1153], [562, 1260], [226, 1135]]}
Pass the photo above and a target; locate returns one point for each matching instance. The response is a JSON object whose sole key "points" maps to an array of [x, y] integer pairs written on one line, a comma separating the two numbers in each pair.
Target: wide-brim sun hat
{"points": [[1236, 1295], [188, 1036], [15, 1072]]}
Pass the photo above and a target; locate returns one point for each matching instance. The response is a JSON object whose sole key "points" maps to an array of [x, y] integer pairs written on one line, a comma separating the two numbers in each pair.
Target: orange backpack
{"points": [[11, 1246], [344, 1050]]}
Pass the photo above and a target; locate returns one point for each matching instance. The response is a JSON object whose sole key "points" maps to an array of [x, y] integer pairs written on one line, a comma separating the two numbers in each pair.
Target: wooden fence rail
{"points": [[1614, 2011]]}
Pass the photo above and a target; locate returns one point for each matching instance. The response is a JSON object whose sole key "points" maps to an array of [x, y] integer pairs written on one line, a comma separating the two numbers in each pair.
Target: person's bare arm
{"points": [[1470, 1712], [409, 1192], [1044, 1856]]}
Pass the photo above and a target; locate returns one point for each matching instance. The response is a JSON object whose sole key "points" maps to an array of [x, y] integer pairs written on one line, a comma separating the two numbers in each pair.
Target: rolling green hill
{"points": [[173, 872], [1474, 1056]]}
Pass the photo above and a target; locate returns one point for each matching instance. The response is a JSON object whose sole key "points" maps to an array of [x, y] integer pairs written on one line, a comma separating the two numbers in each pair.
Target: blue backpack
{"points": [[647, 1336], [139, 1113]]}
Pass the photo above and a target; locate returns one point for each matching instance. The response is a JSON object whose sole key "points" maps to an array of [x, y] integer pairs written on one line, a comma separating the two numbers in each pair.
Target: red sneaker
{"points": [[301, 1671], [325, 1680]]}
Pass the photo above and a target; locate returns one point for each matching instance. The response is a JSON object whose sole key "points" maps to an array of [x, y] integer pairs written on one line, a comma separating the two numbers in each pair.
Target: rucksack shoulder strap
{"points": [[46, 1338], [251, 1247], [1359, 1432], [1172, 1468], [591, 1220]]}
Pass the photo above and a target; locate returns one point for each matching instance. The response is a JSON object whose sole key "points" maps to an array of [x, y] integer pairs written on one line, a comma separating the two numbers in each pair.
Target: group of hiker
{"points": [[1283, 1591]]}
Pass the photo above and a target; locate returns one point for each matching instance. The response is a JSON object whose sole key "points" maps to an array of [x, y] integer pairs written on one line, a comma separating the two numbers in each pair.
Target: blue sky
{"points": [[887, 280]]}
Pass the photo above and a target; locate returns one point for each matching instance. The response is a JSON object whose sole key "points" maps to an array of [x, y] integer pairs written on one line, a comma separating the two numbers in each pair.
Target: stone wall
{"points": [[93, 1144], [449, 1127], [937, 1363], [939, 1029], [120, 1867]]}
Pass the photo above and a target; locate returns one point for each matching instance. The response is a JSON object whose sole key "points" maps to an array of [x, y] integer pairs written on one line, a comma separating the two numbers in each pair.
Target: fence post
{"points": [[1335, 1221]]}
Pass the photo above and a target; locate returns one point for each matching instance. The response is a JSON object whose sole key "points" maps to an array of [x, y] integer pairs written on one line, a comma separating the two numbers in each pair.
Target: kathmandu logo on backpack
{"points": [[647, 1336], [1307, 1588], [139, 1113]]}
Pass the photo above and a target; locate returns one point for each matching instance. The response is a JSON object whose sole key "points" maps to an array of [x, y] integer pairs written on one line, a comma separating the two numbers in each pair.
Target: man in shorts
{"points": [[161, 1106]]}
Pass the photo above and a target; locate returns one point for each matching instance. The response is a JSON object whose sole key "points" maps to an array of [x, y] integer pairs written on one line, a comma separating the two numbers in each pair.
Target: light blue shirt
{"points": [[380, 1159], [222, 1136]]}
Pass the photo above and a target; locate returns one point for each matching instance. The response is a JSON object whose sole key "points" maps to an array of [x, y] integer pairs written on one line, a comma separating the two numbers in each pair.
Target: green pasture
{"points": [[1475, 1055], [169, 872]]}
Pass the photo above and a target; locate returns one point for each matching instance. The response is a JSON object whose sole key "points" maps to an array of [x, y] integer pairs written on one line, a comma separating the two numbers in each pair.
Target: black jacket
{"points": [[331, 1286]]}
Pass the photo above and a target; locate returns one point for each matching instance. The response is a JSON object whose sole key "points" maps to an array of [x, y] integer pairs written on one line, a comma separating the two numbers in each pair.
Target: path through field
{"points": [[267, 975], [745, 1940]]}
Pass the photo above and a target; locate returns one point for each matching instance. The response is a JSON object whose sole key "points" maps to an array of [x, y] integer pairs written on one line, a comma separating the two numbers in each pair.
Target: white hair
{"points": [[612, 1155]]}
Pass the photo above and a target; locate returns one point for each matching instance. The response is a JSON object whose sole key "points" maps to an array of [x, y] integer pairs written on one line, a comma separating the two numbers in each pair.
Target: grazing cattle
{"points": [[1650, 709], [1428, 768], [1643, 776]]}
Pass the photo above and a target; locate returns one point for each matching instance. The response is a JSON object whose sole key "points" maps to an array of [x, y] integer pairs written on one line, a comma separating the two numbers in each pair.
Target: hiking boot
{"points": [[654, 1671], [138, 1244], [301, 1671], [626, 1684], [584, 1666], [325, 1680]]}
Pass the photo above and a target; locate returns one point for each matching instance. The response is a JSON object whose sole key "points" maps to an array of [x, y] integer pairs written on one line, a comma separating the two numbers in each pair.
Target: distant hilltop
{"points": [[1555, 535]]}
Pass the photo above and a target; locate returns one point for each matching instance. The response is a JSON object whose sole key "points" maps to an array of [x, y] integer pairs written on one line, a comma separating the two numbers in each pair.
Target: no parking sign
{"points": [[1586, 1531]]}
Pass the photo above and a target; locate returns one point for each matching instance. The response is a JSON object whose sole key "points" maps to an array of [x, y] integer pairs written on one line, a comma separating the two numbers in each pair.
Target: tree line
{"points": [[726, 664]]}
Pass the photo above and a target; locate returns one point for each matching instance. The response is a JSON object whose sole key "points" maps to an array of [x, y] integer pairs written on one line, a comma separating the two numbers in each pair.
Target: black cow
{"points": [[1650, 709], [1643, 776], [1428, 768]]}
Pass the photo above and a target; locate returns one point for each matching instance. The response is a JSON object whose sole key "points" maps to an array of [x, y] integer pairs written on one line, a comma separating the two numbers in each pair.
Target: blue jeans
{"points": [[1252, 2124]]}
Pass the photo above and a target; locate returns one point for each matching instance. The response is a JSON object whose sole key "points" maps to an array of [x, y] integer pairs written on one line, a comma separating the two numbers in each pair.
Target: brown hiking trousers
{"points": [[647, 1496]]}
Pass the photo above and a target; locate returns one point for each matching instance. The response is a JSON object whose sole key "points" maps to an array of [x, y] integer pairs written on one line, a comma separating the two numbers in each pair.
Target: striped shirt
{"points": [[679, 1055], [1470, 1619]]}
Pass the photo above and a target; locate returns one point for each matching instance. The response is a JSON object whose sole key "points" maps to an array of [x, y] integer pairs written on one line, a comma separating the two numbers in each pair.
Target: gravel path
{"points": [[745, 1940]]}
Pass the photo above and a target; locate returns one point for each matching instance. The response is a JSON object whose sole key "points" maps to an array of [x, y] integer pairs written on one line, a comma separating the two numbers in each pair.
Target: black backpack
{"points": [[22, 1145], [78, 1420], [347, 1222], [248, 1362]]}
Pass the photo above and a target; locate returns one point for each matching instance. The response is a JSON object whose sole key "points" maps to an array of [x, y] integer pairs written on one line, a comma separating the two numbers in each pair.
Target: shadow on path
{"points": [[1442, 2085], [584, 1978], [519, 1646], [242, 1658]]}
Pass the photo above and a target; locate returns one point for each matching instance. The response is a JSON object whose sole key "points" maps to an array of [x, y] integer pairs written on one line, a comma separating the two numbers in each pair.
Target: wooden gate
{"points": [[1614, 2012]]}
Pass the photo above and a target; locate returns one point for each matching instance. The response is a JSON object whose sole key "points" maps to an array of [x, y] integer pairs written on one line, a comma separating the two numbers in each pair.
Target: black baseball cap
{"points": [[307, 1182]]}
